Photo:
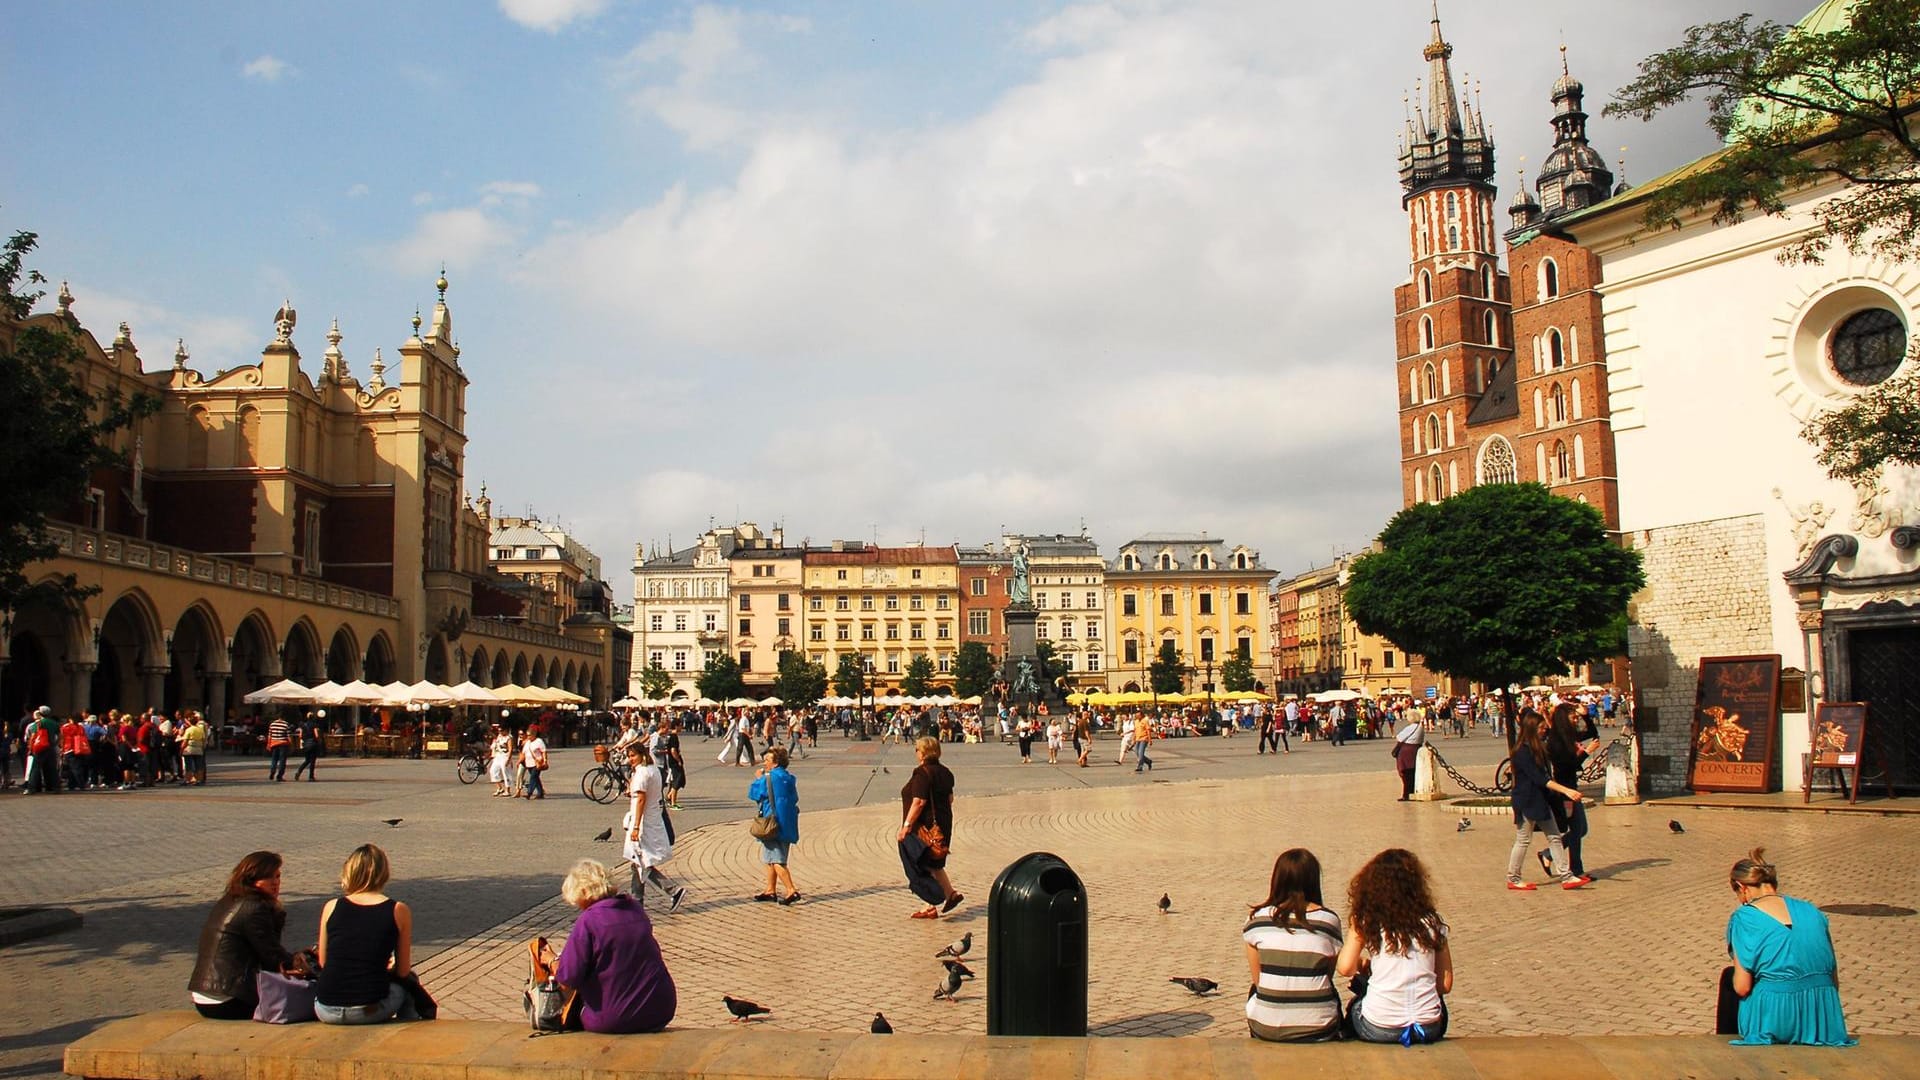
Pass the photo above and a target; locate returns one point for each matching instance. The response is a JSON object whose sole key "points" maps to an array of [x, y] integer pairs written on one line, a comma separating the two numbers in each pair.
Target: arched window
{"points": [[1416, 435], [1413, 386], [1562, 462], [1559, 404], [1579, 457], [1453, 207], [1433, 431], [1446, 380], [1490, 331], [1549, 279], [1539, 408], [1166, 561], [249, 434], [1486, 282], [1574, 399], [1556, 350], [197, 427], [1240, 560], [1426, 287], [1453, 238], [1496, 464], [1433, 479], [1419, 485], [1433, 384], [1426, 333], [1203, 561], [1449, 427]]}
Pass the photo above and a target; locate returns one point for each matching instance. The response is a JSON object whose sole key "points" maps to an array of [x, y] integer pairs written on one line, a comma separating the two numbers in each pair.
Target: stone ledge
{"points": [[183, 1046]]}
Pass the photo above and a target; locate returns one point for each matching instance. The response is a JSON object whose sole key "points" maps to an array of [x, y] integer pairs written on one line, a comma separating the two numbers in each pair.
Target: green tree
{"points": [[655, 683], [1498, 584], [1237, 672], [1879, 427], [850, 677], [721, 679], [1795, 109], [1167, 674], [918, 678], [801, 683], [53, 434], [973, 669], [1048, 667]]}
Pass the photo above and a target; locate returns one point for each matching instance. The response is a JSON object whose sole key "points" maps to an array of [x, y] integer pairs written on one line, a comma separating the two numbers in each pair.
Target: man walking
{"points": [[279, 739], [1337, 720], [1142, 735]]}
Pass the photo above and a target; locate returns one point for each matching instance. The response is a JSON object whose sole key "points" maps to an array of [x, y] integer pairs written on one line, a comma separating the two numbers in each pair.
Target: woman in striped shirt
{"points": [[1292, 941]]}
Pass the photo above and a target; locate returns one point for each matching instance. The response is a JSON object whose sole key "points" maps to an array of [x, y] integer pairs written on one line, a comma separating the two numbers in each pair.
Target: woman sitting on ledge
{"points": [[1784, 974], [1401, 941], [241, 938], [366, 947], [611, 958]]}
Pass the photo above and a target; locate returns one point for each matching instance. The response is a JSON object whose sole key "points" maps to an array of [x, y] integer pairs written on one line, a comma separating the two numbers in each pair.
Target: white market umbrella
{"points": [[741, 703], [328, 693], [361, 693], [631, 702], [395, 693], [284, 692], [705, 702], [470, 693], [771, 700]]}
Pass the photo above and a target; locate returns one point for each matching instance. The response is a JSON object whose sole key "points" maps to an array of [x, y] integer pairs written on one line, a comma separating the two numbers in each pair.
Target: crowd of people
{"points": [[118, 752]]}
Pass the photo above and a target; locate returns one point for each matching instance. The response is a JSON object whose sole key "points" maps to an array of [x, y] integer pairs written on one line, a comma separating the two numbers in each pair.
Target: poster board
{"points": [[1839, 741], [1736, 724]]}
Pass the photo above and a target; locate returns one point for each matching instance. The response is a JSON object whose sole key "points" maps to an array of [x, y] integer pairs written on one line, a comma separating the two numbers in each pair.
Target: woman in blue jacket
{"points": [[779, 797], [1533, 791]]}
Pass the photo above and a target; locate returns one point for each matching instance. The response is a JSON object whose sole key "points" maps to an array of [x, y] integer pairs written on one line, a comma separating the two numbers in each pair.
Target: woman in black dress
{"points": [[366, 947], [926, 831]]}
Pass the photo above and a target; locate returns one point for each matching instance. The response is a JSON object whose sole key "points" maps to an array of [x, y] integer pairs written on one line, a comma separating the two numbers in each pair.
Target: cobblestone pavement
{"points": [[482, 874]]}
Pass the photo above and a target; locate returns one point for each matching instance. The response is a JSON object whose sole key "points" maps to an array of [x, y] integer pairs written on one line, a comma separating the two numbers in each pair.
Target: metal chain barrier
{"points": [[1464, 783]]}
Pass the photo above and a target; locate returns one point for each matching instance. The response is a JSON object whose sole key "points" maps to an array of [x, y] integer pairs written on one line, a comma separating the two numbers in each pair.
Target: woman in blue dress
{"points": [[1783, 971]]}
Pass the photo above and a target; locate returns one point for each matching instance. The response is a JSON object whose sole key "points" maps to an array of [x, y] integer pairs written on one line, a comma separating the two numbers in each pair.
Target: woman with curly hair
{"points": [[1398, 947]]}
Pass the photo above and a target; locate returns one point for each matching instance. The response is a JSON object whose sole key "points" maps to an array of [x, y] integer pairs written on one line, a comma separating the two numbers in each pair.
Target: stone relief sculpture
{"points": [[1874, 510], [1807, 520]]}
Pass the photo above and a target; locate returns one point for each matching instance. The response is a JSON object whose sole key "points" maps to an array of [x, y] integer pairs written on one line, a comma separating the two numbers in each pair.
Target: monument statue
{"points": [[1024, 682], [1022, 587]]}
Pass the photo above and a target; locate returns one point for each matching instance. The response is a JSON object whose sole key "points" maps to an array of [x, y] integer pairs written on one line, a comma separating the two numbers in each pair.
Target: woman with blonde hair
{"points": [[612, 959], [1399, 941], [366, 946], [926, 830], [1784, 974]]}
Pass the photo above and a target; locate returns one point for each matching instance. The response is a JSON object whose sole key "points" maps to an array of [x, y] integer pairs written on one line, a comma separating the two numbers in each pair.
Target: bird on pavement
{"points": [[1675, 826], [948, 988], [605, 835], [880, 1025], [1196, 984], [958, 948], [955, 965], [393, 822], [742, 1009], [1465, 824], [1166, 903]]}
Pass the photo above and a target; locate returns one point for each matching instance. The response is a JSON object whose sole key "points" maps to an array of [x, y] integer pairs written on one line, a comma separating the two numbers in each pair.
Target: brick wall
{"points": [[1706, 595]]}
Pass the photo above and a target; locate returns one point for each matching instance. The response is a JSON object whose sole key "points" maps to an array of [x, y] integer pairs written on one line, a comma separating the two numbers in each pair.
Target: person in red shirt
{"points": [[146, 743], [74, 753]]}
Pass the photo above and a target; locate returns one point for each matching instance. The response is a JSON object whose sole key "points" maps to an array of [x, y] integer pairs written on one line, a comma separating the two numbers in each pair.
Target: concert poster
{"points": [[1736, 712]]}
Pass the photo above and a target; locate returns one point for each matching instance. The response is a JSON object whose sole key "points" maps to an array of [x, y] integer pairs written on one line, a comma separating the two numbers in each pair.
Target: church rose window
{"points": [[1868, 347]]}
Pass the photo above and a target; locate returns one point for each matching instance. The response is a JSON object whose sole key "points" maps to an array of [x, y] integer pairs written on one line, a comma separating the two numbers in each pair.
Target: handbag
{"points": [[766, 827], [933, 838], [549, 1007], [283, 999]]}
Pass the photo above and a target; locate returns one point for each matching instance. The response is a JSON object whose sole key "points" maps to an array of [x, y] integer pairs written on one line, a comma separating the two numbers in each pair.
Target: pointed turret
{"points": [[1574, 176], [1443, 109], [1448, 143]]}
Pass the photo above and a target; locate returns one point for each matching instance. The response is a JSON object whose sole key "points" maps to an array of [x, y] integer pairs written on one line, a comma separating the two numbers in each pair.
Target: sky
{"points": [[895, 271]]}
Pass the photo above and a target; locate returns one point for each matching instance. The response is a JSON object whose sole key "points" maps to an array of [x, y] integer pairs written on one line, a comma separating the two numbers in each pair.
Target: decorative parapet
{"points": [[93, 545]]}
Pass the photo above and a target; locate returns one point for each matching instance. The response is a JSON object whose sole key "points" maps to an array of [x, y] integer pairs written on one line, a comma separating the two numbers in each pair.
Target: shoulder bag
{"points": [[283, 999], [548, 1006], [766, 827]]}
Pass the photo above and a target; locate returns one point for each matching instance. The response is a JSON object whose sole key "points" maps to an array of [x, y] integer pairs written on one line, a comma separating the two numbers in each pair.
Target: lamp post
{"points": [[1209, 667]]}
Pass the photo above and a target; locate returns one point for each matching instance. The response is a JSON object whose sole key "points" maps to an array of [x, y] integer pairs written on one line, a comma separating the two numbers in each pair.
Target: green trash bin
{"points": [[1037, 949]]}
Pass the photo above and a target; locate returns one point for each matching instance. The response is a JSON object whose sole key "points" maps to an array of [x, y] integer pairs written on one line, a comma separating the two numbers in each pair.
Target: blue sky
{"points": [[868, 270]]}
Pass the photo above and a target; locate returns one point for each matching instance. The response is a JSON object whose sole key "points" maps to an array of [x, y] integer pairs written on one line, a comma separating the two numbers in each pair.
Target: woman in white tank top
{"points": [[1397, 938]]}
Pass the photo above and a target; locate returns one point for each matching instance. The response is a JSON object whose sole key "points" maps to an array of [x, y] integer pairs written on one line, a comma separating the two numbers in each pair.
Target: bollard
{"points": [[1426, 775], [1623, 770], [1037, 949]]}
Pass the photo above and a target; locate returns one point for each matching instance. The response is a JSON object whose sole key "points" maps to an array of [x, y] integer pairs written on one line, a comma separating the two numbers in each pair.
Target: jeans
{"points": [[1369, 1032], [195, 766], [308, 764], [1523, 836], [397, 1005], [535, 789], [1140, 758], [1576, 829], [277, 763]]}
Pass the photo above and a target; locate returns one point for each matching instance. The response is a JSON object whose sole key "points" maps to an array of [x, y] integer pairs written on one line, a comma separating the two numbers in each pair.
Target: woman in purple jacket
{"points": [[611, 958]]}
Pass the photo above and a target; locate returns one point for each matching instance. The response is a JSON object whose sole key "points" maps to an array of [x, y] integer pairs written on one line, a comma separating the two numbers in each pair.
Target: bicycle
{"points": [[605, 783], [471, 766]]}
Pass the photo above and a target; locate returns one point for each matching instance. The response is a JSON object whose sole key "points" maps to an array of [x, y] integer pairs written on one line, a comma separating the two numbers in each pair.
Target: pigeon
{"points": [[1465, 824], [605, 835], [880, 1025], [946, 990], [1676, 826], [1166, 903], [955, 965], [742, 1009], [958, 948], [393, 822], [1196, 984]]}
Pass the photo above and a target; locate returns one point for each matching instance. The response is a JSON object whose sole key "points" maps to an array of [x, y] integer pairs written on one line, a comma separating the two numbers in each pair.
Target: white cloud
{"points": [[214, 342], [268, 68], [357, 190], [550, 15], [458, 237], [497, 192], [706, 60], [422, 198]]}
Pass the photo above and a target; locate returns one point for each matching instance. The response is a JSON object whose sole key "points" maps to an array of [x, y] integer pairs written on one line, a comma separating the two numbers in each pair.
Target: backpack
{"points": [[549, 1007]]}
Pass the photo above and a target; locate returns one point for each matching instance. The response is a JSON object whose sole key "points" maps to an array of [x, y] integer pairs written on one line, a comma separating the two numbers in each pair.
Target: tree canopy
{"points": [[655, 683], [1167, 674], [1237, 673], [850, 677], [721, 679], [973, 669], [918, 678], [801, 683], [53, 434], [1879, 427], [1500, 583], [1795, 109]]}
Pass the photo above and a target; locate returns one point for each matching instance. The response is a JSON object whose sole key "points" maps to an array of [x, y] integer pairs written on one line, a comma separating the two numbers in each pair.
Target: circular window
{"points": [[1868, 346]]}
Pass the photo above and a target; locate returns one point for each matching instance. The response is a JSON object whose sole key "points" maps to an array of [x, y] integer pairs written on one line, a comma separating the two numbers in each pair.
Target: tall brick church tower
{"points": [[1452, 314]]}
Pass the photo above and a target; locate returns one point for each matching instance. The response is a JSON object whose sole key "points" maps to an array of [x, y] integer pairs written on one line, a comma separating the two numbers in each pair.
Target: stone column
{"points": [[154, 679], [79, 685], [216, 708], [1623, 770], [1426, 775]]}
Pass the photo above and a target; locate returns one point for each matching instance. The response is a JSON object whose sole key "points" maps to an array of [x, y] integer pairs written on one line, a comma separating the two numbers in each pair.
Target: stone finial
{"points": [[334, 365], [180, 354], [416, 322], [66, 301], [124, 339], [441, 284], [379, 382], [283, 323]]}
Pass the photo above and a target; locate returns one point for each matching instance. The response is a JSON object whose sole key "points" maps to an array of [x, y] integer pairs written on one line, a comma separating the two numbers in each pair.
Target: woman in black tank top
{"points": [[366, 941]]}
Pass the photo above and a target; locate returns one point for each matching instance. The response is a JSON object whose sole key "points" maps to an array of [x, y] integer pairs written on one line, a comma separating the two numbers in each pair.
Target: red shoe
{"points": [[1577, 882], [1522, 886]]}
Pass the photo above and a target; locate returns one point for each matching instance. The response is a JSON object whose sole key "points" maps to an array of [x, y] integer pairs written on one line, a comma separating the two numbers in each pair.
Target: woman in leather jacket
{"points": [[241, 937]]}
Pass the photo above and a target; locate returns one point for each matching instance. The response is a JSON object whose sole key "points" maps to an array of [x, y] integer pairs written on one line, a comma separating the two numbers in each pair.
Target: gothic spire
{"points": [[1443, 108], [1450, 144]]}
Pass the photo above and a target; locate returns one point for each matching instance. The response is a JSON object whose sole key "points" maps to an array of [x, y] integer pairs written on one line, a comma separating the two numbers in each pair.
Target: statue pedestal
{"points": [[1021, 645]]}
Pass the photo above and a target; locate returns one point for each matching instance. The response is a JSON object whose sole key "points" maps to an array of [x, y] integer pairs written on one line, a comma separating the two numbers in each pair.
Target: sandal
{"points": [[925, 913], [763, 898]]}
